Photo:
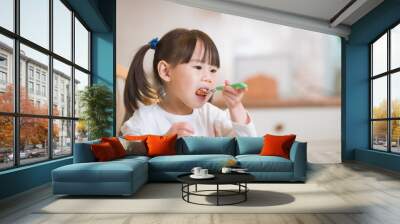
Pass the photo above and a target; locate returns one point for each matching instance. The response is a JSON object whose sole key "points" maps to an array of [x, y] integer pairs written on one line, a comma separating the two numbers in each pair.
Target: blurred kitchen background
{"points": [[293, 74]]}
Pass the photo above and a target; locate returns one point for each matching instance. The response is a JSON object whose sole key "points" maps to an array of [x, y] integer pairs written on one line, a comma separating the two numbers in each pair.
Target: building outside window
{"points": [[43, 90], [3, 71], [55, 98], [3, 78], [43, 77], [37, 75], [30, 72], [38, 89], [3, 61], [30, 87]]}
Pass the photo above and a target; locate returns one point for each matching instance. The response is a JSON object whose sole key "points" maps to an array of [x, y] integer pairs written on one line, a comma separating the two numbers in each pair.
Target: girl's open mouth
{"points": [[202, 92]]}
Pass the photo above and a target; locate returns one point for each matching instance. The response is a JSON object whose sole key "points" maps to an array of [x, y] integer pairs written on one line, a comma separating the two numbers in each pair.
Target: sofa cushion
{"points": [[83, 153], [206, 145], [111, 171], [129, 159], [257, 163], [185, 163], [249, 145]]}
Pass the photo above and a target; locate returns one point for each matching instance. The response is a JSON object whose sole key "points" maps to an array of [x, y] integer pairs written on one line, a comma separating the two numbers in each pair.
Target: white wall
{"points": [[309, 124]]}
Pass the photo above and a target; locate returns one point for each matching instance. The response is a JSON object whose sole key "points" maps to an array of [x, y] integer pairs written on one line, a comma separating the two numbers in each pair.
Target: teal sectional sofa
{"points": [[125, 176]]}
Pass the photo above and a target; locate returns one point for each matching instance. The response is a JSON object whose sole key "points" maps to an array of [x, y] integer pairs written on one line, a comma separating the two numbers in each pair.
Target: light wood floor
{"points": [[378, 188]]}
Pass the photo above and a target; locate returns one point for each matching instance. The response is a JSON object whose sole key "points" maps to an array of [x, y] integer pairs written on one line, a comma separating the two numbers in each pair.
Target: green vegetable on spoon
{"points": [[238, 85]]}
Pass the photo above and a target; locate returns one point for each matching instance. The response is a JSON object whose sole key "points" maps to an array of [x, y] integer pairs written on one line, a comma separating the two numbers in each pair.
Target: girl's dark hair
{"points": [[175, 47]]}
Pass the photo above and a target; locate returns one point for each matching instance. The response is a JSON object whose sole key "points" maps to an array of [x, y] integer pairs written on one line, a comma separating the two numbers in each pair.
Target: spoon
{"points": [[238, 85]]}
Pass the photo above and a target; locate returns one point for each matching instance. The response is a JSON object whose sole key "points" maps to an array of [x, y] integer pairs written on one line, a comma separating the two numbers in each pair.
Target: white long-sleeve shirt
{"points": [[207, 120]]}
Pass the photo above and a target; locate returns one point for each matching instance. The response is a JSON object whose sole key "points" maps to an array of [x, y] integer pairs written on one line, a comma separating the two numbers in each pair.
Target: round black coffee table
{"points": [[238, 179]]}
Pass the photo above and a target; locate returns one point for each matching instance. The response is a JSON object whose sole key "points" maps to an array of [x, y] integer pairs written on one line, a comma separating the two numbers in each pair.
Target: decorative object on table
{"points": [[231, 163], [237, 170], [203, 176], [226, 170], [96, 102], [200, 173], [196, 170], [227, 167]]}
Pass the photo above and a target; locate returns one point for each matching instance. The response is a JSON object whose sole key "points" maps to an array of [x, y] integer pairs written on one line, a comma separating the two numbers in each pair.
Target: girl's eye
{"points": [[213, 70], [198, 67]]}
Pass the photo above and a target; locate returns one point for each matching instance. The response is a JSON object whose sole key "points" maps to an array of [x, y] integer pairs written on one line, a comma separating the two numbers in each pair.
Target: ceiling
{"points": [[326, 16]]}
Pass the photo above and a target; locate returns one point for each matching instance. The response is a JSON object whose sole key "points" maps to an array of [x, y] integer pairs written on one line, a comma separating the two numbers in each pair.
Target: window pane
{"points": [[379, 55], [6, 142], [395, 47], [395, 136], [81, 81], [379, 135], [62, 89], [6, 74], [379, 97], [33, 139], [81, 45], [62, 138], [395, 94], [62, 29], [7, 14], [81, 131], [34, 80], [35, 21]]}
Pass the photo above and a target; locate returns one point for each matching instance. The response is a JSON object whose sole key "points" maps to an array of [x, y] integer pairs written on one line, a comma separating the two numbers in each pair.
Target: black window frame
{"points": [[388, 74], [16, 115]]}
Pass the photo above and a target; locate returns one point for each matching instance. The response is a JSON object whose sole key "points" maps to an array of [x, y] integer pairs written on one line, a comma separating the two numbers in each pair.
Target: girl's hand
{"points": [[233, 100], [181, 129], [232, 97]]}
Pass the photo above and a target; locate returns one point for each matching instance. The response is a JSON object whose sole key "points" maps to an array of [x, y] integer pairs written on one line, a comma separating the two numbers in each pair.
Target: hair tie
{"points": [[153, 43]]}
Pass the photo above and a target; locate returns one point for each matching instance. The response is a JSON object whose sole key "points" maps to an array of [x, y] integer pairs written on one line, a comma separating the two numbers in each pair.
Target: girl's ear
{"points": [[164, 70]]}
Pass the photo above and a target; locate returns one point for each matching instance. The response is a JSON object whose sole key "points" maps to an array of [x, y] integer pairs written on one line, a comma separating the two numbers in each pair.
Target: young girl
{"points": [[175, 100]]}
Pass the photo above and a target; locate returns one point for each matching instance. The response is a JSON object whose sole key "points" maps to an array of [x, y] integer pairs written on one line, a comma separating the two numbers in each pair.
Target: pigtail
{"points": [[137, 87]]}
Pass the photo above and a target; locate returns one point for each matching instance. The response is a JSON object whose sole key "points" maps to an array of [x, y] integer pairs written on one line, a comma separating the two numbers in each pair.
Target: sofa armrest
{"points": [[298, 155], [83, 152]]}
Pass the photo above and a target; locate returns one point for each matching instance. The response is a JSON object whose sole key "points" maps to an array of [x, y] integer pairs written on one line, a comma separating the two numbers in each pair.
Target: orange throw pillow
{"points": [[136, 137], [116, 145], [161, 145], [103, 151], [277, 145]]}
